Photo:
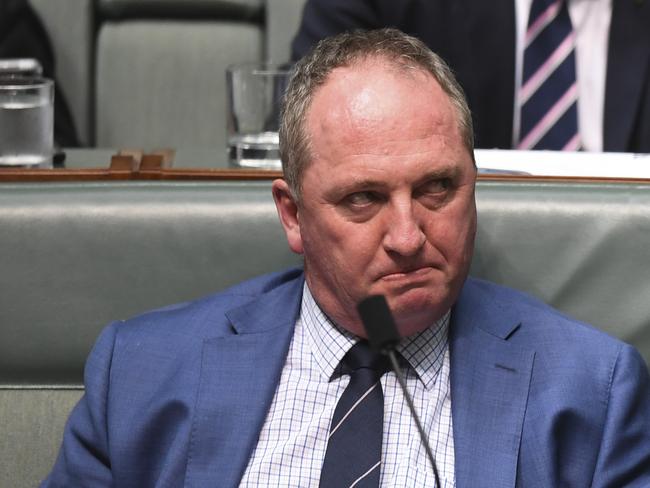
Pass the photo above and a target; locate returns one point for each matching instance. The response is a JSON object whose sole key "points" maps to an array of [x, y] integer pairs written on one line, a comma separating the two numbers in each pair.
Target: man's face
{"points": [[387, 201]]}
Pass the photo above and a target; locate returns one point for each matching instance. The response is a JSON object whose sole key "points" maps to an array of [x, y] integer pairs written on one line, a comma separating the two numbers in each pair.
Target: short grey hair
{"points": [[311, 72]]}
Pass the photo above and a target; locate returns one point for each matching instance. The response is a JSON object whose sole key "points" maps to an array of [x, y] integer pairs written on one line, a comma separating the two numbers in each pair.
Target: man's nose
{"points": [[404, 234]]}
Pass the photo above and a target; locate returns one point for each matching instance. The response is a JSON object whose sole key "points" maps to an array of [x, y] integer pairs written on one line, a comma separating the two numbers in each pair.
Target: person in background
{"points": [[273, 383], [22, 35], [539, 74]]}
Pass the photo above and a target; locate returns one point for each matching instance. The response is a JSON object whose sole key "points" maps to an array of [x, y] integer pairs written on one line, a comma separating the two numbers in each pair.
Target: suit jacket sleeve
{"points": [[84, 456], [624, 456]]}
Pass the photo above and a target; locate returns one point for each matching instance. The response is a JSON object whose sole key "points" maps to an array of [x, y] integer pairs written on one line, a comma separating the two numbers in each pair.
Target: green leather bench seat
{"points": [[76, 256]]}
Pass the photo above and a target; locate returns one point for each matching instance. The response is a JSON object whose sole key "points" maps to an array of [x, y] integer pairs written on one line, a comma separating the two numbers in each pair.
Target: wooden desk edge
{"points": [[103, 174], [172, 174]]}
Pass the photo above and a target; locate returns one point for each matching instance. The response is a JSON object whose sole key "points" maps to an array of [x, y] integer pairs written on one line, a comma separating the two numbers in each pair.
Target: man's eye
{"points": [[361, 198], [435, 187]]}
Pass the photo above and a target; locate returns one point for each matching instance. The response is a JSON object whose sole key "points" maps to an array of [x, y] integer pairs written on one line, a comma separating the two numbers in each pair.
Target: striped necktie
{"points": [[353, 456], [549, 93]]}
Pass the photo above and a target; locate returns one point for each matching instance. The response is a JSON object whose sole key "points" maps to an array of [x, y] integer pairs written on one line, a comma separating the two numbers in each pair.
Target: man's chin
{"points": [[416, 310]]}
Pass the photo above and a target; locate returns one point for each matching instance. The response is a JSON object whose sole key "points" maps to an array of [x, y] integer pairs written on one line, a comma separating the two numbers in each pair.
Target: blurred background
{"points": [[151, 73]]}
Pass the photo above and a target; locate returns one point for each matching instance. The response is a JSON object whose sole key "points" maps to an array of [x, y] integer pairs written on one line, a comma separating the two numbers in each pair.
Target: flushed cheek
{"points": [[444, 240], [342, 252], [457, 253], [453, 236], [353, 241], [356, 262]]}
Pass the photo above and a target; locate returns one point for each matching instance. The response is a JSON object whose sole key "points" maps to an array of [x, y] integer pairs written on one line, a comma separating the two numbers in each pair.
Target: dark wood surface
{"points": [[135, 164], [100, 174], [117, 174]]}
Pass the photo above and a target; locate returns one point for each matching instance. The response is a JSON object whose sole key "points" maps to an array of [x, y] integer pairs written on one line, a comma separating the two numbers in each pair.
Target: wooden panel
{"points": [[122, 172]]}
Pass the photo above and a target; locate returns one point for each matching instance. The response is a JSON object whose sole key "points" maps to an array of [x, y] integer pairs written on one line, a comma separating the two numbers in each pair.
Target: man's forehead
{"points": [[380, 67], [367, 85], [372, 97]]}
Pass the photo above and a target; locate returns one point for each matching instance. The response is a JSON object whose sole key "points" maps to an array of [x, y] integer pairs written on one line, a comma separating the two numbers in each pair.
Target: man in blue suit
{"points": [[239, 388]]}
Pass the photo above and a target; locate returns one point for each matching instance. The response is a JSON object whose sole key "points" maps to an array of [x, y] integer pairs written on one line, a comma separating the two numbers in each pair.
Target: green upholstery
{"points": [[80, 255], [581, 247], [76, 256], [32, 423], [161, 83]]}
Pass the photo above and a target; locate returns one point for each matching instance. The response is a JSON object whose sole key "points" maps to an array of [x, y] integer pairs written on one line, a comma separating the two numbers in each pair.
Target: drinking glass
{"points": [[26, 121], [255, 94]]}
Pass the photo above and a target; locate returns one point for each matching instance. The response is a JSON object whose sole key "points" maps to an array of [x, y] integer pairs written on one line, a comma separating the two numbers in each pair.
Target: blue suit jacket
{"points": [[177, 397]]}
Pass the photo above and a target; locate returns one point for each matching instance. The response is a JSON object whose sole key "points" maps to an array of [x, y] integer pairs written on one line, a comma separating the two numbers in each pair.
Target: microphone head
{"points": [[378, 322]]}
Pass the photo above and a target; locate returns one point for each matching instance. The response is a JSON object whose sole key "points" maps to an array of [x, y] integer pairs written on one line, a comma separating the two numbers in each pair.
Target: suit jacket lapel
{"points": [[489, 383], [239, 375], [490, 379], [628, 69]]}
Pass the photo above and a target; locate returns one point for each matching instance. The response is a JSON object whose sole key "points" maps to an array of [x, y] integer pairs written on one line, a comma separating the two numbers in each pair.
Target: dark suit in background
{"points": [[477, 38], [22, 35]]}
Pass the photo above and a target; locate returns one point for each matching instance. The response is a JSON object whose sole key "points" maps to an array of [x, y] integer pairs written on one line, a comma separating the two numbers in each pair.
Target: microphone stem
{"points": [[425, 442]]}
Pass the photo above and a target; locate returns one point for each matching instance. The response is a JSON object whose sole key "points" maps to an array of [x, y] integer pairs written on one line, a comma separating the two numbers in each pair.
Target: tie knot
{"points": [[362, 357]]}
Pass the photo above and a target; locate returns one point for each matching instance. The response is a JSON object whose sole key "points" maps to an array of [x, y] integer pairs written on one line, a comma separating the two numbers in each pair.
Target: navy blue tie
{"points": [[548, 98], [353, 456]]}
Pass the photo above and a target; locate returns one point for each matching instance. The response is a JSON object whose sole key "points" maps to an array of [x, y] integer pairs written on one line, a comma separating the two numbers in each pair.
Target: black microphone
{"points": [[383, 337]]}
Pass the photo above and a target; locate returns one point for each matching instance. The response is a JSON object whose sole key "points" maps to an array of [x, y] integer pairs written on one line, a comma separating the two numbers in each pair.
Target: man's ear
{"points": [[287, 209]]}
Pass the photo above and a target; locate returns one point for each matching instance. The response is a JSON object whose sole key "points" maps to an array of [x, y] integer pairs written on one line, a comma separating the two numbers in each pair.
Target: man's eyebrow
{"points": [[450, 171], [447, 171], [369, 182], [361, 184]]}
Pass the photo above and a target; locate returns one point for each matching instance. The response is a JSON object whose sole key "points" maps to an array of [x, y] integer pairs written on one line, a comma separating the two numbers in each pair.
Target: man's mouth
{"points": [[406, 274]]}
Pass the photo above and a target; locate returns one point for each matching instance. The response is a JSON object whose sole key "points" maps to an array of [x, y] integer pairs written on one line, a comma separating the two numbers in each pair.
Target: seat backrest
{"points": [[580, 247], [161, 69], [78, 255]]}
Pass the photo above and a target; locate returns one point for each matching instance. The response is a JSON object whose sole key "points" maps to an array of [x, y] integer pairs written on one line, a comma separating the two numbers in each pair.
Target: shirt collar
{"points": [[328, 343], [425, 351]]}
